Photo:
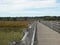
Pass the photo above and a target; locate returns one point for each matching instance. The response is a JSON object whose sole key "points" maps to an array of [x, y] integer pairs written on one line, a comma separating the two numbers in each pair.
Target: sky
{"points": [[21, 8]]}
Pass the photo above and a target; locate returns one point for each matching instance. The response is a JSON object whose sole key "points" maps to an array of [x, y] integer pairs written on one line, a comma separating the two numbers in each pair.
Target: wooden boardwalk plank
{"points": [[47, 36]]}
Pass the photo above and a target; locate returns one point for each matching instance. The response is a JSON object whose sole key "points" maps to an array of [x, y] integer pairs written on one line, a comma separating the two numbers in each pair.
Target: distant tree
{"points": [[25, 18]]}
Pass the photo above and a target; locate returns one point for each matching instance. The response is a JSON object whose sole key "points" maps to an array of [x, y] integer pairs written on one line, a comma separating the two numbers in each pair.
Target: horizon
{"points": [[31, 16]]}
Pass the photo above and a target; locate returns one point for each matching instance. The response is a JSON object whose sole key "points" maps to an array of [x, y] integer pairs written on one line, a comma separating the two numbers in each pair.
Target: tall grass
{"points": [[14, 23], [5, 38], [9, 33], [11, 30]]}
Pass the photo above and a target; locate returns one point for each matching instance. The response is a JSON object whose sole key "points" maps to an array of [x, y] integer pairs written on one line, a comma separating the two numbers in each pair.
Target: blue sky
{"points": [[58, 1], [16, 8]]}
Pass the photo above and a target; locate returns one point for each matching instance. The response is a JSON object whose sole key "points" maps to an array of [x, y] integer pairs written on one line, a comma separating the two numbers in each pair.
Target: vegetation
{"points": [[9, 35], [54, 18], [11, 30], [29, 18], [14, 24]]}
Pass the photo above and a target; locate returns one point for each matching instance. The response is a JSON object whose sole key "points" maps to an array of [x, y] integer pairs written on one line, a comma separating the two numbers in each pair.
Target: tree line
{"points": [[30, 18]]}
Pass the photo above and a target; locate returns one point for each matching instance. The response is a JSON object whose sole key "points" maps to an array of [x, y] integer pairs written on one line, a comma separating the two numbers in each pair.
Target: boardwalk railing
{"points": [[52, 24], [29, 36]]}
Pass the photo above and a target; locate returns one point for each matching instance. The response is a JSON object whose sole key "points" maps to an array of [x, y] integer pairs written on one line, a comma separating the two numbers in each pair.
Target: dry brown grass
{"points": [[10, 30], [14, 23]]}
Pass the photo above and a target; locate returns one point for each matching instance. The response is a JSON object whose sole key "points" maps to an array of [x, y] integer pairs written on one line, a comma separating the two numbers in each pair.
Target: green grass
{"points": [[6, 37]]}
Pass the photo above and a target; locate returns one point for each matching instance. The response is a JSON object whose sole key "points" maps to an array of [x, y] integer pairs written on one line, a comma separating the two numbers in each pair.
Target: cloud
{"points": [[29, 7], [13, 5]]}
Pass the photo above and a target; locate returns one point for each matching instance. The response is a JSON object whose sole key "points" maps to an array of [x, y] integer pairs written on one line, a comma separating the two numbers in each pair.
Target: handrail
{"points": [[29, 37], [24, 37], [32, 42]]}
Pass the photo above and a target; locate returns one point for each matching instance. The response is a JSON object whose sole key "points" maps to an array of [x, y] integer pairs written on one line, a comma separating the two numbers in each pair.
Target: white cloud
{"points": [[13, 5]]}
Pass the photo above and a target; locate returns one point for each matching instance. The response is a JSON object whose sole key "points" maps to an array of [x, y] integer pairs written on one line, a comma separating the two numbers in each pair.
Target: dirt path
{"points": [[47, 36]]}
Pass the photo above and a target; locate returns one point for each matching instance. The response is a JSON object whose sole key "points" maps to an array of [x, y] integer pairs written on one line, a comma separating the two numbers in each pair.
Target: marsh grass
{"points": [[6, 36]]}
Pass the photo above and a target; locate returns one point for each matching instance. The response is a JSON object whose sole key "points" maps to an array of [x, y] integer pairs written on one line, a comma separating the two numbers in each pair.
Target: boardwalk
{"points": [[47, 36]]}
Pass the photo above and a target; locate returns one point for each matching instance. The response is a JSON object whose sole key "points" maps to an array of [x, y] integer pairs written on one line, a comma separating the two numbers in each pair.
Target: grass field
{"points": [[14, 23], [11, 30], [7, 36]]}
